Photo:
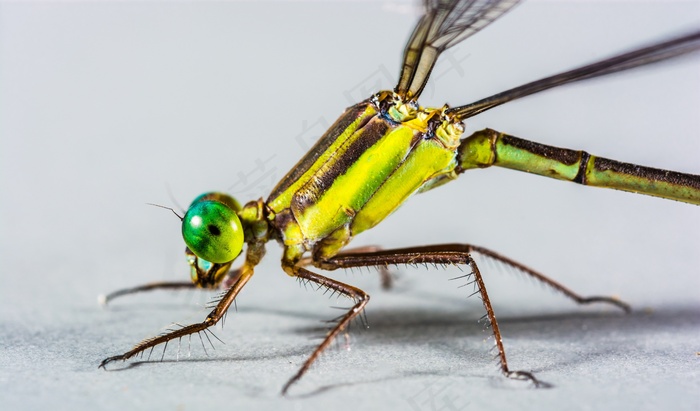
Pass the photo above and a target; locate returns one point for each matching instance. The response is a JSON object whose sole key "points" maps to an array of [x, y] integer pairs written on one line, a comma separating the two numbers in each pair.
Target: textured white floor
{"points": [[104, 105]]}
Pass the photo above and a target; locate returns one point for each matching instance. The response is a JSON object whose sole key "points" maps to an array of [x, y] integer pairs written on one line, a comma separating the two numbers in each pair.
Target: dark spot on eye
{"points": [[213, 230]]}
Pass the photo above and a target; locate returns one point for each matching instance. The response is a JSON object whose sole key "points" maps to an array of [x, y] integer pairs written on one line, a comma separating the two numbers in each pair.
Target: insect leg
{"points": [[358, 296], [214, 316], [165, 285], [579, 299], [461, 254], [229, 279], [385, 277]]}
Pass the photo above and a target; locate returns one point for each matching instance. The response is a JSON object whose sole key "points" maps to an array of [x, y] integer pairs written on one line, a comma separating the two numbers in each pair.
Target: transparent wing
{"points": [[444, 24], [641, 57]]}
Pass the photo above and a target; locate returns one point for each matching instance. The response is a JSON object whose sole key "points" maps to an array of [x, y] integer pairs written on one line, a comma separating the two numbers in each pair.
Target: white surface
{"points": [[103, 105]]}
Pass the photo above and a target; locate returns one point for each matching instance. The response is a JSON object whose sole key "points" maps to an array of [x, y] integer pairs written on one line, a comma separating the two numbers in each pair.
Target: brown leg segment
{"points": [[225, 283], [358, 296], [415, 255], [461, 254], [254, 255], [384, 274], [232, 276], [548, 281], [175, 285]]}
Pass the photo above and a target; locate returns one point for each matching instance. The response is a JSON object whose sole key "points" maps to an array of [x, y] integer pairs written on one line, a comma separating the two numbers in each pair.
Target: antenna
{"points": [[167, 208]]}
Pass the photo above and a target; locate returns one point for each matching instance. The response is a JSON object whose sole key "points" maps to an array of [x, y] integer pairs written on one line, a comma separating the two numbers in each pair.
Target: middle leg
{"points": [[359, 297]]}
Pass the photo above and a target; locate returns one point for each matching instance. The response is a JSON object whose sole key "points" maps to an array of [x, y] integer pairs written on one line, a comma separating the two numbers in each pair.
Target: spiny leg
{"points": [[361, 259], [358, 296], [579, 299], [214, 316], [385, 277], [461, 254], [230, 279]]}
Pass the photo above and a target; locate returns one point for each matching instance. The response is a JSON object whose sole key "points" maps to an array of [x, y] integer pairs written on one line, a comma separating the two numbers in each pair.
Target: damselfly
{"points": [[374, 157]]}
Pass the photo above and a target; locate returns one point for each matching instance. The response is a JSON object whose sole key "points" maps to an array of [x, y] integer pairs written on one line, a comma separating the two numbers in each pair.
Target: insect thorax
{"points": [[377, 154]]}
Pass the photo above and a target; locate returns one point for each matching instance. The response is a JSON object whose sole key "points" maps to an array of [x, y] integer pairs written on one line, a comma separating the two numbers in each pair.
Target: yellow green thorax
{"points": [[373, 158]]}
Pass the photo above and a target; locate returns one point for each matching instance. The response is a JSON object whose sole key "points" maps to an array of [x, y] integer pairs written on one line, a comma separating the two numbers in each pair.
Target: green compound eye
{"points": [[213, 231]]}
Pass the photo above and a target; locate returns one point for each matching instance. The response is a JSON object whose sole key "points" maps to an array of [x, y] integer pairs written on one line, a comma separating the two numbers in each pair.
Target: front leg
{"points": [[211, 319], [103, 299], [254, 254], [205, 275]]}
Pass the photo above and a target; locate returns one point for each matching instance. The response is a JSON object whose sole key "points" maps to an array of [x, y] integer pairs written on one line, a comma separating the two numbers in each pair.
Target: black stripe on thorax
{"points": [[370, 135]]}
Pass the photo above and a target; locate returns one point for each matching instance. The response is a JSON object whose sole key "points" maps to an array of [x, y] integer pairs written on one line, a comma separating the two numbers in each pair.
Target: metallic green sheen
{"points": [[220, 197], [212, 231]]}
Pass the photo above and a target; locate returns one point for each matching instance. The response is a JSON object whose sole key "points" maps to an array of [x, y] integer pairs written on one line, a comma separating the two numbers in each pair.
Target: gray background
{"points": [[104, 105]]}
